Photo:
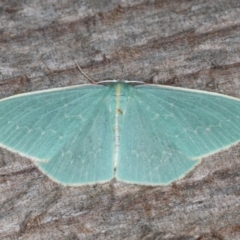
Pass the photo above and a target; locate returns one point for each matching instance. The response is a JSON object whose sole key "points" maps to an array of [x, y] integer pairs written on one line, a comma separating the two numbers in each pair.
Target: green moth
{"points": [[135, 132]]}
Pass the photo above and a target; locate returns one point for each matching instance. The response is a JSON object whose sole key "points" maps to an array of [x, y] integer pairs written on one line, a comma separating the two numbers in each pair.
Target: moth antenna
{"points": [[84, 74]]}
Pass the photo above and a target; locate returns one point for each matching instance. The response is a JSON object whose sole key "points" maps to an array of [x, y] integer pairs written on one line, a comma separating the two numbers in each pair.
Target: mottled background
{"points": [[192, 44]]}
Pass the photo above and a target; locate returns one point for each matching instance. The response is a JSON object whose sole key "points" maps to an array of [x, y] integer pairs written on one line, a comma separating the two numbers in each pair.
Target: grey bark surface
{"points": [[191, 44]]}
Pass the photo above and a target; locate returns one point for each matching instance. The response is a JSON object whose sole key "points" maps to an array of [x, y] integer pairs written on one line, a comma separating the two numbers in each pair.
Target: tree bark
{"points": [[191, 44]]}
